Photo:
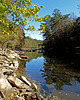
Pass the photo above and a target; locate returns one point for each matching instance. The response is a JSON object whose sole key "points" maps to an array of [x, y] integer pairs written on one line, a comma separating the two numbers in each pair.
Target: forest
{"points": [[31, 43], [62, 33]]}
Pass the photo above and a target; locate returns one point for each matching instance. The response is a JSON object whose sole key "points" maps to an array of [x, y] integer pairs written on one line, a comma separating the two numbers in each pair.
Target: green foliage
{"points": [[61, 33], [31, 43], [14, 15], [16, 40], [20, 11]]}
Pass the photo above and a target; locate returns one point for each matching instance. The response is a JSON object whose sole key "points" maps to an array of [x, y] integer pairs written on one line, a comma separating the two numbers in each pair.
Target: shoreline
{"points": [[12, 86], [20, 87]]}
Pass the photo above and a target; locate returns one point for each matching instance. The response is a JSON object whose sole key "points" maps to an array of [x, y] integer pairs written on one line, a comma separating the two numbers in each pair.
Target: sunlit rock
{"points": [[4, 84], [18, 83], [14, 64], [34, 86], [25, 80]]}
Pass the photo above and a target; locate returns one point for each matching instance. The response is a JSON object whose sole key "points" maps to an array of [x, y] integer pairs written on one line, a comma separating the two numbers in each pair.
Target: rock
{"points": [[6, 65], [9, 83], [34, 86], [25, 90], [31, 84], [4, 59], [34, 96], [18, 83], [26, 94], [8, 73], [3, 63], [4, 84], [25, 80], [0, 49], [7, 70], [14, 64], [11, 54], [11, 65], [41, 97], [2, 94], [18, 98], [24, 57]]}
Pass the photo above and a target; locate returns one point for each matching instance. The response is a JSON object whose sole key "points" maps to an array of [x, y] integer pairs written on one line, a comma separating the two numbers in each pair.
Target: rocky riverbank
{"points": [[13, 87]]}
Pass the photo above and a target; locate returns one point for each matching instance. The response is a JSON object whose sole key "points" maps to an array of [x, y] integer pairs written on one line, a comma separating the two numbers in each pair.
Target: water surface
{"points": [[56, 76]]}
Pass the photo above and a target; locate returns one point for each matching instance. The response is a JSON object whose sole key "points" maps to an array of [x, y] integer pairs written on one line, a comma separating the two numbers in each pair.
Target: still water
{"points": [[54, 76]]}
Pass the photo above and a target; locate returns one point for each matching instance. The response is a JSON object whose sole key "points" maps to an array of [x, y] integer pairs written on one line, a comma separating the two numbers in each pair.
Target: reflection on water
{"points": [[61, 72], [54, 74]]}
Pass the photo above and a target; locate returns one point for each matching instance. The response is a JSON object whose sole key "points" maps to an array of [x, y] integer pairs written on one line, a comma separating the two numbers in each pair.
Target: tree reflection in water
{"points": [[61, 71]]}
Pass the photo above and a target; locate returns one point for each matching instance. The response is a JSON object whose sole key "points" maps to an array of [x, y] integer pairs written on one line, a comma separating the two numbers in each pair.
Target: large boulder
{"points": [[4, 84], [25, 80], [18, 83]]}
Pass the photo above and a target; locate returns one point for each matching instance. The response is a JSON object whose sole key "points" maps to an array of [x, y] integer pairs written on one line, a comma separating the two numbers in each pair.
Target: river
{"points": [[55, 76]]}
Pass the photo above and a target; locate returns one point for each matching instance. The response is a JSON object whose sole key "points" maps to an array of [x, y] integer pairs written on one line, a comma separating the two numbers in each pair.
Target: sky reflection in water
{"points": [[54, 74]]}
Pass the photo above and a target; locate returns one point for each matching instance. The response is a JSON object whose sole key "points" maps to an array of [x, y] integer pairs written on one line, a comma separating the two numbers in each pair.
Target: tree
{"points": [[17, 13], [58, 32], [16, 40]]}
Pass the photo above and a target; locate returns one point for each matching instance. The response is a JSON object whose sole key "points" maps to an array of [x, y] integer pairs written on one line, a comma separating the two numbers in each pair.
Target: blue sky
{"points": [[65, 7]]}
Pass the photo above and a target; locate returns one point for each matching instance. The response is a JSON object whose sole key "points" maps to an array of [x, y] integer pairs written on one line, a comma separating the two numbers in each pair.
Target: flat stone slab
{"points": [[18, 83]]}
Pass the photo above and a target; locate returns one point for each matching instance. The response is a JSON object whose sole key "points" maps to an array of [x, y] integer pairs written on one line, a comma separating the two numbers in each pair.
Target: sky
{"points": [[65, 7]]}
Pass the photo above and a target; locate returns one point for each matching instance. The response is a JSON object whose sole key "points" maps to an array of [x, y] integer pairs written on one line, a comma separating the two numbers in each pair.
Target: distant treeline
{"points": [[31, 43], [26, 42], [17, 40], [62, 33]]}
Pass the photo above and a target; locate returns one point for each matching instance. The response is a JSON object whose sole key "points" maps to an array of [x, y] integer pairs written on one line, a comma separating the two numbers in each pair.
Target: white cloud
{"points": [[34, 35]]}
